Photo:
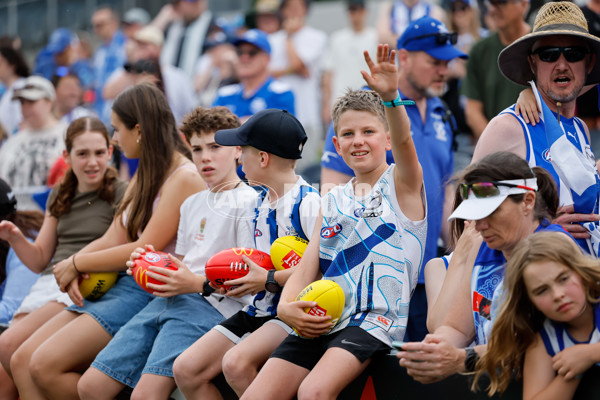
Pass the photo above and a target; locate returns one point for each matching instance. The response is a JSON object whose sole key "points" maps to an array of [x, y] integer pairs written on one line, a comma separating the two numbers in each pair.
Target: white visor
{"points": [[474, 208]]}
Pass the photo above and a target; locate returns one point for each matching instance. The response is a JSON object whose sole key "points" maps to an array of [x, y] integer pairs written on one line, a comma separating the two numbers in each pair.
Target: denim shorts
{"points": [[124, 300], [155, 337]]}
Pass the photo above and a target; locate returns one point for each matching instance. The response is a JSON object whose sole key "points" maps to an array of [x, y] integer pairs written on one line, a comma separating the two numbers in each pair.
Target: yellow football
{"points": [[287, 251], [329, 297], [97, 284]]}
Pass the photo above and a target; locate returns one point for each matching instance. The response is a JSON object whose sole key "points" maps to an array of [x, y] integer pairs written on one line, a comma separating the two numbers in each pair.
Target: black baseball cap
{"points": [[274, 131], [8, 201]]}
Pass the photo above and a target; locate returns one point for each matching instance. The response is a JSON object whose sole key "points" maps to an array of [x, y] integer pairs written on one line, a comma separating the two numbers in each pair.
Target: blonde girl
{"points": [[545, 329]]}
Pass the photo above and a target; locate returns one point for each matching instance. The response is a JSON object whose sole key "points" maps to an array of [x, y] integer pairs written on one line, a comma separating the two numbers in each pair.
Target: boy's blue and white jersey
{"points": [[556, 338], [374, 252], [275, 220]]}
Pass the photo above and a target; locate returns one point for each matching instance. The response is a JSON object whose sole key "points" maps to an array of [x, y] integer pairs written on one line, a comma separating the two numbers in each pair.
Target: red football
{"points": [[157, 259], [228, 264]]}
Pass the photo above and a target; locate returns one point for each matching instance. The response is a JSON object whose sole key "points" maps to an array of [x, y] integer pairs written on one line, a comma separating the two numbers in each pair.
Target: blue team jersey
{"points": [[433, 141], [556, 338], [486, 284], [374, 252], [272, 94]]}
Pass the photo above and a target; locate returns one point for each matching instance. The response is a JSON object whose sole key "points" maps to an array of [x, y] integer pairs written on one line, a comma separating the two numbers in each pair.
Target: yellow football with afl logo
{"points": [[97, 284], [287, 251], [329, 297]]}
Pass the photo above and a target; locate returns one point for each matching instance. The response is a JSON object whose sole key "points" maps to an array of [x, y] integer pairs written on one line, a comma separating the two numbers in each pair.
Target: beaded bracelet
{"points": [[398, 102]]}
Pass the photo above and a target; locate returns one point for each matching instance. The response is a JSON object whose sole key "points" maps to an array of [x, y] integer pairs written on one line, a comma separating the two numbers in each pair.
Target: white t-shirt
{"points": [[211, 222], [310, 44], [26, 159], [344, 58]]}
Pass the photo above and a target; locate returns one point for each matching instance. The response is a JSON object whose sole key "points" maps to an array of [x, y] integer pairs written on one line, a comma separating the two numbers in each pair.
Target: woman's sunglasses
{"points": [[482, 190], [551, 54]]}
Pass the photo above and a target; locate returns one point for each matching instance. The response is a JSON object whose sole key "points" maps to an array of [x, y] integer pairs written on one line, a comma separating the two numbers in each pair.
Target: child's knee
{"points": [[86, 388], [184, 369], [40, 368], [19, 360], [235, 365], [306, 391], [8, 345]]}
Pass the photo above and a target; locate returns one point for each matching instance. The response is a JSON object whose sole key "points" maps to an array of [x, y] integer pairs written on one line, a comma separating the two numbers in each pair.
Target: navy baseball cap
{"points": [[431, 36], [274, 131], [255, 37]]}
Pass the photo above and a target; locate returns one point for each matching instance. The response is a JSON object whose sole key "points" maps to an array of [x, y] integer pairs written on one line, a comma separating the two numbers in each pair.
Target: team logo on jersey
{"points": [[152, 257], [482, 305], [440, 131], [546, 155], [379, 320], [257, 105], [257, 233], [330, 231], [374, 204]]}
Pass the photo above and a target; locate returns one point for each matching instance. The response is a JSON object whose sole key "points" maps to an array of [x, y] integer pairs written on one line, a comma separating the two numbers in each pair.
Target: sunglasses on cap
{"points": [[551, 54], [250, 52], [482, 190], [441, 38]]}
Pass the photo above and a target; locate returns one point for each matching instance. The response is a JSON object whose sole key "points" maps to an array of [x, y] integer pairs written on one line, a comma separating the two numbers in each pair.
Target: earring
{"points": [[138, 140]]}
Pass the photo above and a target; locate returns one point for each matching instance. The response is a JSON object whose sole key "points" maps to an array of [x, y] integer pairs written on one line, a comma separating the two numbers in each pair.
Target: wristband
{"points": [[398, 102], [73, 262]]}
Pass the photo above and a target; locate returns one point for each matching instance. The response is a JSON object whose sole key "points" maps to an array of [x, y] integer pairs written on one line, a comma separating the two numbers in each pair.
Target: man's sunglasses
{"points": [[498, 3], [551, 54], [458, 6], [251, 52], [441, 38], [481, 190]]}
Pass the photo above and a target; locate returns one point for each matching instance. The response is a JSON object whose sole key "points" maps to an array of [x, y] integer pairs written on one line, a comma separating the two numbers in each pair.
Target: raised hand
{"points": [[383, 75]]}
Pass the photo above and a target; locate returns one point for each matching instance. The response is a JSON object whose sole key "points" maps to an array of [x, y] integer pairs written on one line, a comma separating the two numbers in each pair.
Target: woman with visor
{"points": [[505, 201]]}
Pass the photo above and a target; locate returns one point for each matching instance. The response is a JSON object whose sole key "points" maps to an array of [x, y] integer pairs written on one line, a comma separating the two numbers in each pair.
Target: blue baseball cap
{"points": [[431, 36], [256, 38], [60, 39]]}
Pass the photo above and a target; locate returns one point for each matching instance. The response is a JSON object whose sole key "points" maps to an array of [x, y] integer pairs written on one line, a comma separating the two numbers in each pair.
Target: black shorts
{"points": [[242, 324], [306, 353]]}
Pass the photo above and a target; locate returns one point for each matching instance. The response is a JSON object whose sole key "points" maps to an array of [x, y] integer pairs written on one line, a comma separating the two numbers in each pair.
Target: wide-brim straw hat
{"points": [[556, 18]]}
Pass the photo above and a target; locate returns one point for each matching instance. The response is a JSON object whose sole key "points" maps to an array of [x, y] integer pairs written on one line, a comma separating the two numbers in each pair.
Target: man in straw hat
{"points": [[557, 59]]}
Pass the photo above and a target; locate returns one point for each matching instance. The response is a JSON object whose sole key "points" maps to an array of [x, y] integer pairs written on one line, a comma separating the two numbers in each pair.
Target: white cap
{"points": [[474, 208], [150, 34], [35, 88]]}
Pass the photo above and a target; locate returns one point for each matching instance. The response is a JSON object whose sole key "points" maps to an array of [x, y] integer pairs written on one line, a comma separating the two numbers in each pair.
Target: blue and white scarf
{"points": [[575, 165]]}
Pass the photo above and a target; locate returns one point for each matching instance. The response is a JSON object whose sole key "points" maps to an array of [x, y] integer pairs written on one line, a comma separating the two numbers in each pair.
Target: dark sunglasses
{"points": [[551, 54], [140, 67], [497, 3], [482, 190], [441, 38], [456, 7], [251, 52]]}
